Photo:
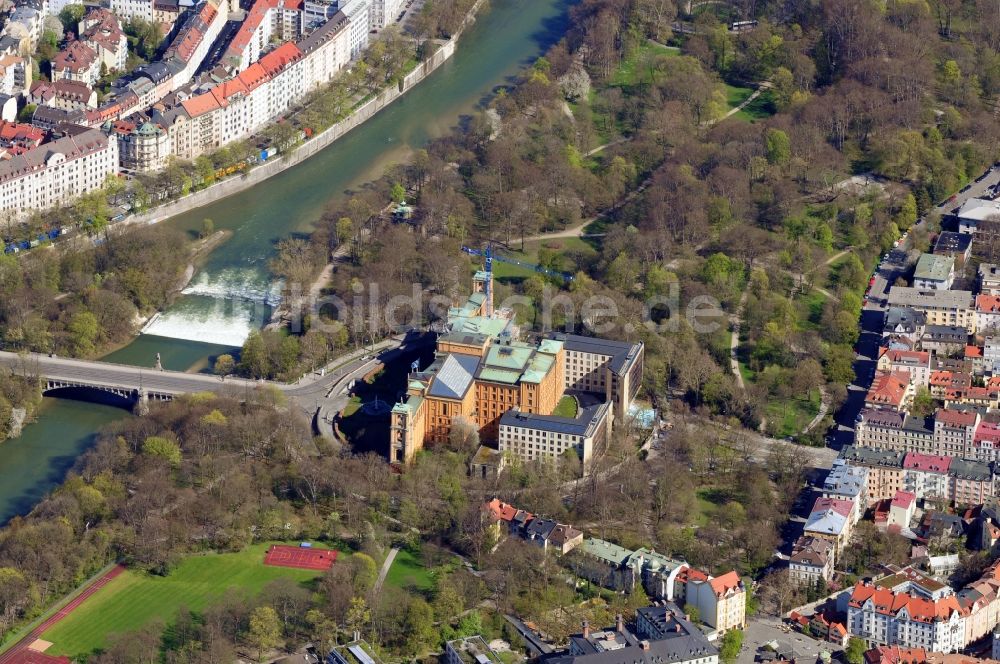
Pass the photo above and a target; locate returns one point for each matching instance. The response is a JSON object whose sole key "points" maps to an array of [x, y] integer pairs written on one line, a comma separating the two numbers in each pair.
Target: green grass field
{"points": [[567, 407], [133, 599], [630, 70], [789, 417], [408, 572], [761, 107]]}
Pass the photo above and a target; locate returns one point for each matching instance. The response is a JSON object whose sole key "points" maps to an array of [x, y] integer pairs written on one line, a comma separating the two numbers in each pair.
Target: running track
{"points": [[13, 655]]}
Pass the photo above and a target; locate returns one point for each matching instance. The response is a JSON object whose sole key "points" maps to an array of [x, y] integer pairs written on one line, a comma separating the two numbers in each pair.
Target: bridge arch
{"points": [[91, 394]]}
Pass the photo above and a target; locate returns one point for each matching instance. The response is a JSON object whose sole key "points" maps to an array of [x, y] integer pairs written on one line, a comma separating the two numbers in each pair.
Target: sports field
{"points": [[132, 599]]}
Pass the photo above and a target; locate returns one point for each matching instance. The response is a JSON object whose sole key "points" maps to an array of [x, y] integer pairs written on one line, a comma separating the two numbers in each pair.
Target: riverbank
{"points": [[310, 147]]}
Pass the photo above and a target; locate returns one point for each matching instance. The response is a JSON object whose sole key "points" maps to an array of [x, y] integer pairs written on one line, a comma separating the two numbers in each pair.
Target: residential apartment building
{"points": [[893, 430], [142, 148], [101, 31], [989, 279], [76, 62], [890, 390], [384, 12], [948, 307], [58, 171], [721, 601], [833, 520], [904, 322], [266, 21], [955, 431], [987, 313], [811, 562], [978, 215], [64, 94], [954, 480], [915, 363], [954, 245], [910, 610], [132, 9], [934, 272]]}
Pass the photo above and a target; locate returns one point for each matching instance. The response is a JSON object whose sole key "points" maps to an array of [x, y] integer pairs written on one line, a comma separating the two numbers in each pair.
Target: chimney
{"points": [[620, 623], [644, 644], [586, 629]]}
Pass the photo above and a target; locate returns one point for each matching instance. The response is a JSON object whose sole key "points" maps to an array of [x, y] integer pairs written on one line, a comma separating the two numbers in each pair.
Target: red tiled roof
{"points": [[988, 304], [895, 655], [928, 462], [721, 585], [989, 433], [76, 57], [887, 602], [906, 356], [256, 16], [955, 418], [500, 510], [889, 388], [973, 351], [200, 105], [838, 505], [903, 499], [275, 61], [253, 76]]}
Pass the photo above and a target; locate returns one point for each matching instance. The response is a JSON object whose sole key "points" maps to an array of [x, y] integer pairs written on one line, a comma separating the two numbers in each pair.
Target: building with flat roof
{"points": [[355, 652], [934, 272], [955, 245], [942, 307], [470, 650], [978, 215]]}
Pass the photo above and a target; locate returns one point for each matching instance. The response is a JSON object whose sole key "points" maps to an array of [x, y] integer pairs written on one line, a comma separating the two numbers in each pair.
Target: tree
{"points": [[779, 147], [163, 448], [207, 227], [419, 626], [224, 365], [855, 651], [70, 16], [364, 573], [84, 330], [923, 403], [253, 358], [732, 643], [265, 629], [398, 193]]}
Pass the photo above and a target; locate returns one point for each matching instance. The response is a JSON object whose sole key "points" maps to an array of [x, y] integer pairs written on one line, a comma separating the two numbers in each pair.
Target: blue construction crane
{"points": [[488, 254]]}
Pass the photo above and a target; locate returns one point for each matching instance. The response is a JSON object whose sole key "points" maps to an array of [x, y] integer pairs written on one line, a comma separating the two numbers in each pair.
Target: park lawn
{"points": [[134, 598], [759, 108], [567, 407], [787, 418], [736, 95], [629, 71], [408, 572], [810, 307]]}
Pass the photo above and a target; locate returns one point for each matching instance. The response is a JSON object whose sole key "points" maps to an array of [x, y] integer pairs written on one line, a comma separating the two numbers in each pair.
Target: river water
{"points": [[232, 293]]}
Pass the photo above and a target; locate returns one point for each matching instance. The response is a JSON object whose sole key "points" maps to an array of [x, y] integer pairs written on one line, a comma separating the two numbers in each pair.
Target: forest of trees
{"points": [[738, 210], [78, 299]]}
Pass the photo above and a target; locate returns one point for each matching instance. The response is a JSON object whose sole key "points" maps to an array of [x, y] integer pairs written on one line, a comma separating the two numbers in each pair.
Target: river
{"points": [[231, 294]]}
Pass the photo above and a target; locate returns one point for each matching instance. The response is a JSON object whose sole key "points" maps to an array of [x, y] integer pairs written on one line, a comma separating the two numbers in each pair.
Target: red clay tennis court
{"points": [[281, 555]]}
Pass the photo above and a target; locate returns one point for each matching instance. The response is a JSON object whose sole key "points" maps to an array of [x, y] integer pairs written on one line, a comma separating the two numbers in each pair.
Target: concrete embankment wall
{"points": [[309, 148]]}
